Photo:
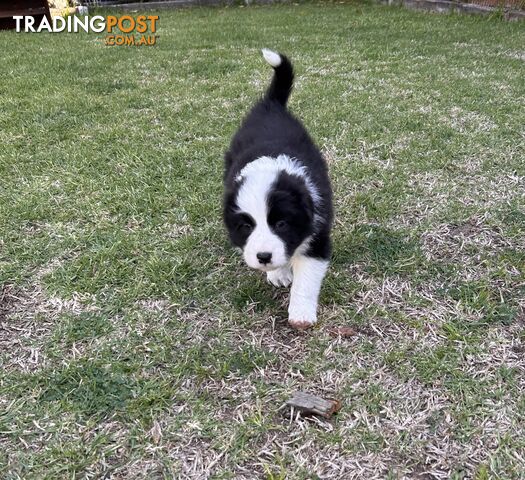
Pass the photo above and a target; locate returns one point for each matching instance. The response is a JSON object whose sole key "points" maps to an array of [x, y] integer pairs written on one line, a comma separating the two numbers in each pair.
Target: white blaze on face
{"points": [[252, 199]]}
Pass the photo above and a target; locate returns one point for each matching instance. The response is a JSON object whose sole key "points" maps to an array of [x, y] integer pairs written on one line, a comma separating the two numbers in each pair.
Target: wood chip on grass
{"points": [[307, 405]]}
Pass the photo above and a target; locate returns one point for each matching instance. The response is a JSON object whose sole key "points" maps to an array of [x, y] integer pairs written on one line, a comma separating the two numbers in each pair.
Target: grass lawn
{"points": [[133, 341]]}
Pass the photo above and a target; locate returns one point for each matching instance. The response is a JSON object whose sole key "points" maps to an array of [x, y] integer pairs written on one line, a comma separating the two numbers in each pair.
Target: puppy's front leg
{"points": [[308, 274]]}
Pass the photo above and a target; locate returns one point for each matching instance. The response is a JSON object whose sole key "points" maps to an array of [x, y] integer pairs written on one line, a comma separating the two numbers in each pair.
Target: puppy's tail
{"points": [[282, 80]]}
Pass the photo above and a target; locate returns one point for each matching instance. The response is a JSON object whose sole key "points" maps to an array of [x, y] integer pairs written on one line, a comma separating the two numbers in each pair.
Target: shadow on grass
{"points": [[382, 250]]}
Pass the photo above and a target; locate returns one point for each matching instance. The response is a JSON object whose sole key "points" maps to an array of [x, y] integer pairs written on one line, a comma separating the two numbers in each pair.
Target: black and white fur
{"points": [[278, 199]]}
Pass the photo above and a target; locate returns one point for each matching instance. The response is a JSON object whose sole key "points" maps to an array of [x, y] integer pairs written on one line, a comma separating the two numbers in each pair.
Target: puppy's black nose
{"points": [[264, 257]]}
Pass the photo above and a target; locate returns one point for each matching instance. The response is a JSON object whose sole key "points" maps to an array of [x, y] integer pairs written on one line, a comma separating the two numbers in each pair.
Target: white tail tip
{"points": [[273, 58]]}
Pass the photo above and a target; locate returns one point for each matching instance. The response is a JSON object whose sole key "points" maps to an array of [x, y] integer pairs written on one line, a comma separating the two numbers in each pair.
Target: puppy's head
{"points": [[269, 214]]}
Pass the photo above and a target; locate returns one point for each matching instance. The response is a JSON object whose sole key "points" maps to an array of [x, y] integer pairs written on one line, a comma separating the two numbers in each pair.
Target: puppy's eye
{"points": [[281, 225], [245, 228]]}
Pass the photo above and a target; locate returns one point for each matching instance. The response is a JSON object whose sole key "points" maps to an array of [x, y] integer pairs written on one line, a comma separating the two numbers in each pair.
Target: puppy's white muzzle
{"points": [[264, 250]]}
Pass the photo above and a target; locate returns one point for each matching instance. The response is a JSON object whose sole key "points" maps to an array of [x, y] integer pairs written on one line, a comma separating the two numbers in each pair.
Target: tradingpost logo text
{"points": [[121, 30]]}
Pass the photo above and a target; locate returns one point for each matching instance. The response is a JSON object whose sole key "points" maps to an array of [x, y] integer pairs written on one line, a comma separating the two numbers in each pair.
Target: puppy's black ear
{"points": [[295, 202], [304, 200], [228, 160], [291, 192], [229, 207]]}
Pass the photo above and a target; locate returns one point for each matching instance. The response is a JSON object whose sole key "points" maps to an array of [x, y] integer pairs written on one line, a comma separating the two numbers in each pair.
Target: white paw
{"points": [[281, 277], [302, 317]]}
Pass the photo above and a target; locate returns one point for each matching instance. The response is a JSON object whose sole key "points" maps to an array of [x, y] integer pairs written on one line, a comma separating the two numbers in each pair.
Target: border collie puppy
{"points": [[278, 199]]}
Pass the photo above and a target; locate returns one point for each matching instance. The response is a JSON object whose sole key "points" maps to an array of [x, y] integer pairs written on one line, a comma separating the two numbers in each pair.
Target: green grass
{"points": [[133, 341]]}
